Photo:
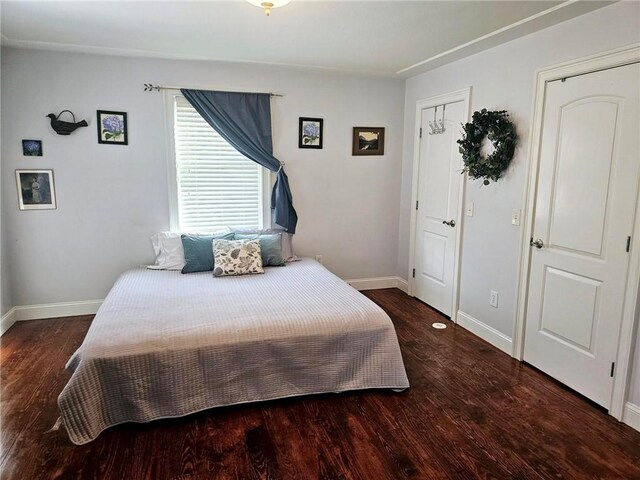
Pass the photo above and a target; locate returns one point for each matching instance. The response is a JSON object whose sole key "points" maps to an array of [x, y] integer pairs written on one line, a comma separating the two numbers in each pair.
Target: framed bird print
{"points": [[36, 190], [112, 127]]}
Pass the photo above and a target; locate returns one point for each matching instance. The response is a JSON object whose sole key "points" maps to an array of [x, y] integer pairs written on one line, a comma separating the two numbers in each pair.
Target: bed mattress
{"points": [[166, 345]]}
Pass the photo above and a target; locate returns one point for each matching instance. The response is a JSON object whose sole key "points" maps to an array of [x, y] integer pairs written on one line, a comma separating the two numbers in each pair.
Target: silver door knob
{"points": [[536, 243], [451, 223]]}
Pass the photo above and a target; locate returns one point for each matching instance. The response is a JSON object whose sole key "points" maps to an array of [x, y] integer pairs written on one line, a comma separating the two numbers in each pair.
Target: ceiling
{"points": [[395, 38]]}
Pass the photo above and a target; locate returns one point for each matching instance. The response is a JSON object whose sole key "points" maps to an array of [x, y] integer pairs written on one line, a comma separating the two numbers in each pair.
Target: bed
{"points": [[166, 345]]}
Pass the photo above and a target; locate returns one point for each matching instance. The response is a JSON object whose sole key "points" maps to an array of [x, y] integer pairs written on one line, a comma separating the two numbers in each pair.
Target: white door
{"points": [[585, 203], [439, 172]]}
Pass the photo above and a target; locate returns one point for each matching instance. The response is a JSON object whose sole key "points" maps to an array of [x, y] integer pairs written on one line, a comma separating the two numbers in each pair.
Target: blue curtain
{"points": [[244, 120]]}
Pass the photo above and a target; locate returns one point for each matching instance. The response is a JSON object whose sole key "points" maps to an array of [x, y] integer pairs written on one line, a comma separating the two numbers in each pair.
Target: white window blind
{"points": [[217, 186]]}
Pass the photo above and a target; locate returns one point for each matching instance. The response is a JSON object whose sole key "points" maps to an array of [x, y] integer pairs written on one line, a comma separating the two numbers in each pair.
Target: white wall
{"points": [[6, 301], [503, 78], [112, 198], [6, 298]]}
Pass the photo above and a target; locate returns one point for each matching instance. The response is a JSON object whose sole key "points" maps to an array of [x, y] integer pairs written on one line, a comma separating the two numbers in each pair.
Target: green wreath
{"points": [[499, 130]]}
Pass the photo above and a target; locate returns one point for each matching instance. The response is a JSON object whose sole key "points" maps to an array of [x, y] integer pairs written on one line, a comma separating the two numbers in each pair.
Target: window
{"points": [[215, 185]]}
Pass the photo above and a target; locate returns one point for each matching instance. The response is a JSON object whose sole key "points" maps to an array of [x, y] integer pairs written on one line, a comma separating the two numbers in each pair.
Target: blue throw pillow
{"points": [[270, 247], [198, 251]]}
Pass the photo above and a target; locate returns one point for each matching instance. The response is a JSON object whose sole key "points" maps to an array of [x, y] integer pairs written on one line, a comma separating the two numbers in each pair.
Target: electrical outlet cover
{"points": [[469, 209], [493, 299], [515, 217]]}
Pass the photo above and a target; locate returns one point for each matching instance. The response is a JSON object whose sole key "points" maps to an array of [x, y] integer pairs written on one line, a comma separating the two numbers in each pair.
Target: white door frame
{"points": [[463, 95], [593, 63]]}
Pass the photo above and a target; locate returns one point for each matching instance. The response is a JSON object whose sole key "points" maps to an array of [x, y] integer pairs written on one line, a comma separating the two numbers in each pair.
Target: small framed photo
{"points": [[112, 127], [368, 141], [32, 148], [36, 190], [310, 133]]}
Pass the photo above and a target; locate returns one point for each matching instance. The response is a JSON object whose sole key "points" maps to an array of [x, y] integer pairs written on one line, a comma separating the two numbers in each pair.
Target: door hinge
{"points": [[413, 274], [613, 366], [628, 243], [416, 204], [420, 132]]}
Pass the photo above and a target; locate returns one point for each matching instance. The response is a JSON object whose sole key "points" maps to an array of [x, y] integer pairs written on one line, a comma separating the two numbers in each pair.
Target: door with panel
{"points": [[587, 190], [439, 170]]}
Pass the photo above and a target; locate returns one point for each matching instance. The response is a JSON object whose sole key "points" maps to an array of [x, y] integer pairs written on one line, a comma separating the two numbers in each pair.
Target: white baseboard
{"points": [[49, 310], [56, 310], [378, 282], [8, 319], [485, 332], [631, 415]]}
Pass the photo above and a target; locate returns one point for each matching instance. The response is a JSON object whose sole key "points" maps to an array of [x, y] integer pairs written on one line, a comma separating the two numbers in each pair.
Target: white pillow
{"points": [[169, 252], [287, 238]]}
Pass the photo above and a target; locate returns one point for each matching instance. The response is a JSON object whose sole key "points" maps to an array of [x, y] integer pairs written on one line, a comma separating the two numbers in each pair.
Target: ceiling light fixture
{"points": [[268, 5]]}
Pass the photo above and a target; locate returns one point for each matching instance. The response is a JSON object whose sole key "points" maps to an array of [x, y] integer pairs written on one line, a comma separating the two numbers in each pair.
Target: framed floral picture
{"points": [[32, 148], [36, 190], [368, 141], [112, 127], [310, 133]]}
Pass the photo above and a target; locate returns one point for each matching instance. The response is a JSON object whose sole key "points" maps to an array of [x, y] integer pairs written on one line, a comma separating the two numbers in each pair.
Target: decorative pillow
{"points": [[270, 247], [236, 257], [198, 256], [169, 252], [287, 238]]}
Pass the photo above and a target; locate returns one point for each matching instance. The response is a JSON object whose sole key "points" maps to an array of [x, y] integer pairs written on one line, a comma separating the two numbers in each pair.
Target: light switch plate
{"points": [[469, 209], [515, 217]]}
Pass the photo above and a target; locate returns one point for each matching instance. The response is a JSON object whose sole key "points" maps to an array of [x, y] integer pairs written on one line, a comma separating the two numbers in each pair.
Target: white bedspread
{"points": [[165, 344]]}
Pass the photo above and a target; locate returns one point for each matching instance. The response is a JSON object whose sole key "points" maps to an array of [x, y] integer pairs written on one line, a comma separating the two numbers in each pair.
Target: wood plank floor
{"points": [[471, 412]]}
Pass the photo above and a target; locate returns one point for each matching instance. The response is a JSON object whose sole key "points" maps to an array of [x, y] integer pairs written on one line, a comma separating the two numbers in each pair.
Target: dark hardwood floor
{"points": [[471, 412]]}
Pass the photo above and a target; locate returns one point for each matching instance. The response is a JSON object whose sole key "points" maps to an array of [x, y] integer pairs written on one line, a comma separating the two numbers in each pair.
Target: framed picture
{"points": [[310, 133], [36, 190], [368, 141], [32, 148], [112, 127]]}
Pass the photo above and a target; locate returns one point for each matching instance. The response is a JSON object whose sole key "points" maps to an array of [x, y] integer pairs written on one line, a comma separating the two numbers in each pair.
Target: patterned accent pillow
{"points": [[270, 247], [236, 257]]}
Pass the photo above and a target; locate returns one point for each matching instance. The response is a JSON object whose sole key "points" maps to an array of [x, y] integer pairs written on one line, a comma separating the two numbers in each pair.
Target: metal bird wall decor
{"points": [[65, 128]]}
